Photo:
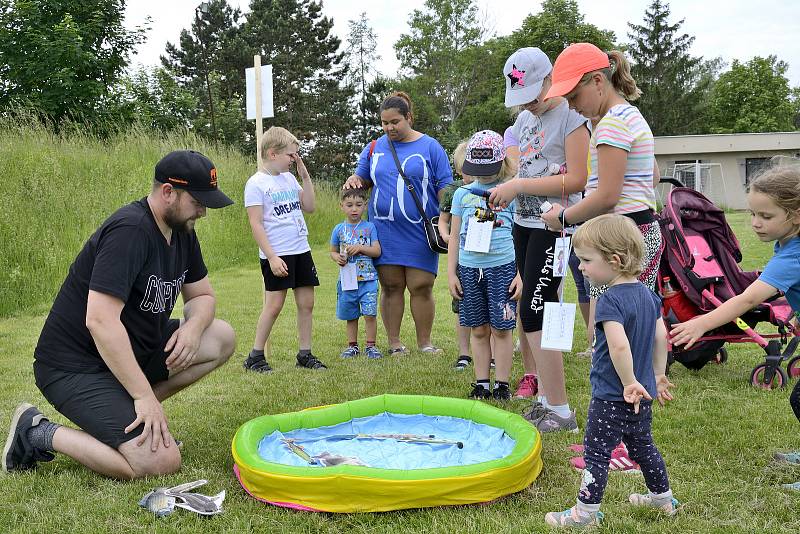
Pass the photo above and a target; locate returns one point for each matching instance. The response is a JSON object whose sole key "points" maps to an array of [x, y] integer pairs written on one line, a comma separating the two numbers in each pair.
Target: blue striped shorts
{"points": [[486, 298]]}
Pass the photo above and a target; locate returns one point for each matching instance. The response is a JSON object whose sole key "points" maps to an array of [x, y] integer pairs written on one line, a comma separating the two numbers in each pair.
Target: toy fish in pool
{"points": [[158, 502], [327, 459]]}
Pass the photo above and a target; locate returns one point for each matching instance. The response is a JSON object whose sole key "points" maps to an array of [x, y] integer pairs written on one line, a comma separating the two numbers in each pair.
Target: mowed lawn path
{"points": [[717, 437]]}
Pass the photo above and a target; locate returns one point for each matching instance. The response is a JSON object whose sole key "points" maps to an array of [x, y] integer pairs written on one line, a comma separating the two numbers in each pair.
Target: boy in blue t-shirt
{"points": [[354, 243], [628, 370]]}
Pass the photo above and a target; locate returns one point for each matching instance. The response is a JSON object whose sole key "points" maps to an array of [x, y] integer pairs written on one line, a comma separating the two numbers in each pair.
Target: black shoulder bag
{"points": [[435, 241]]}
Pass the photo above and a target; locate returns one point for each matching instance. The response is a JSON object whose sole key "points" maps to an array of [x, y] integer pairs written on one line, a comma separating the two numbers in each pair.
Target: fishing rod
{"points": [[403, 438]]}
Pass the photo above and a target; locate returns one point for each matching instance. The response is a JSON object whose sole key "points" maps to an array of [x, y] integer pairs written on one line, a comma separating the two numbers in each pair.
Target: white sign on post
{"points": [[266, 92]]}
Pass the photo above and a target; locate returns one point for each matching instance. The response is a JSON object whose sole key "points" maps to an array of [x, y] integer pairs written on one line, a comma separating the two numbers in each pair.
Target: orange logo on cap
{"points": [[213, 177]]}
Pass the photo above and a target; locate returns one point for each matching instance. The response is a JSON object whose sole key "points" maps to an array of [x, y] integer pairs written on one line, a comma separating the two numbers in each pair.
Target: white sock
{"points": [[561, 409], [661, 498], [543, 400], [586, 509]]}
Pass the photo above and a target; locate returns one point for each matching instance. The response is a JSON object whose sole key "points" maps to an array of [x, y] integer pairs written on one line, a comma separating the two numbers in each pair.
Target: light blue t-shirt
{"points": [[637, 309], [363, 233], [783, 271], [501, 248], [391, 207]]}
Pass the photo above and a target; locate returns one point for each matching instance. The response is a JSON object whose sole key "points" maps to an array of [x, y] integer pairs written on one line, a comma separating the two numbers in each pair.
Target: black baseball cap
{"points": [[192, 171]]}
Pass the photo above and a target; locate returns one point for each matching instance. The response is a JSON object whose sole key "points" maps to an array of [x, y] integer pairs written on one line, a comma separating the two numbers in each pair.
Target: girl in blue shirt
{"points": [[774, 199]]}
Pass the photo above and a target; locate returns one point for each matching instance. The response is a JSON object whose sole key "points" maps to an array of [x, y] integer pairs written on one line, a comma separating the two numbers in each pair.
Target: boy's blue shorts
{"points": [[357, 302], [485, 296]]}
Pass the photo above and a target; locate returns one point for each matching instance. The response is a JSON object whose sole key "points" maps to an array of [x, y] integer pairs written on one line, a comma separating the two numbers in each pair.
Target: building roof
{"points": [[715, 143]]}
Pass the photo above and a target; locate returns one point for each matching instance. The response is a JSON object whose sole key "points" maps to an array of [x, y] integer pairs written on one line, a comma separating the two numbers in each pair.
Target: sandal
{"points": [[462, 362], [430, 349], [256, 364], [399, 351]]}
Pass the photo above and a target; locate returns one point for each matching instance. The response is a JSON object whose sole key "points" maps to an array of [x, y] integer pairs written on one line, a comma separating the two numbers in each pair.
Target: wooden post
{"points": [[259, 127]]}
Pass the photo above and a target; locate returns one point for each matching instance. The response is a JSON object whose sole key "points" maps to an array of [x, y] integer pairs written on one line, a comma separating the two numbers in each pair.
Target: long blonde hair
{"points": [[618, 75]]}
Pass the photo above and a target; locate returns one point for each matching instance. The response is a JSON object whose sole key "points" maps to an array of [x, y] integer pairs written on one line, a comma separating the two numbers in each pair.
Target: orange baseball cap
{"points": [[571, 64]]}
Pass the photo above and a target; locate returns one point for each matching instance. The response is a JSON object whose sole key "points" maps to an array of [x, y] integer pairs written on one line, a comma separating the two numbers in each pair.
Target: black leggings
{"points": [[794, 400], [535, 251]]}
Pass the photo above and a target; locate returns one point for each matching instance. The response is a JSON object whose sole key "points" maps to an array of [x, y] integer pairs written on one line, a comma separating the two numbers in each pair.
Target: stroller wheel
{"points": [[758, 377], [722, 357], [793, 367]]}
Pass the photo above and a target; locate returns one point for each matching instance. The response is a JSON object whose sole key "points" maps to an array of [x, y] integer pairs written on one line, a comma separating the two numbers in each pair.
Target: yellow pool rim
{"points": [[349, 488]]}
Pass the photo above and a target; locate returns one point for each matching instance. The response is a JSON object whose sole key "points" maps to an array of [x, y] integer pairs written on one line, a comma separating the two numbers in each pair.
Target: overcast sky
{"points": [[732, 29]]}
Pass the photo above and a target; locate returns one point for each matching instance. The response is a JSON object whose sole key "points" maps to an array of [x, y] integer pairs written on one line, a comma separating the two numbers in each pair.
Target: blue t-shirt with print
{"points": [[363, 233], [501, 248], [392, 208], [783, 271], [637, 309]]}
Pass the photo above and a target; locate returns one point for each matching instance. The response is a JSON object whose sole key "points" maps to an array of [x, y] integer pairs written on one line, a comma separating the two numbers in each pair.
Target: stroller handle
{"points": [[673, 181]]}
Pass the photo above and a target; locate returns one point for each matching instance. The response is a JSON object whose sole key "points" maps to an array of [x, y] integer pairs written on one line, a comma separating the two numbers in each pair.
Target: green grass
{"points": [[717, 437]]}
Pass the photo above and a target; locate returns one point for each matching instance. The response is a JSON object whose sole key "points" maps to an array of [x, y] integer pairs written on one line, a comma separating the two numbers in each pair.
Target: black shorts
{"points": [[97, 402], [535, 252], [302, 273]]}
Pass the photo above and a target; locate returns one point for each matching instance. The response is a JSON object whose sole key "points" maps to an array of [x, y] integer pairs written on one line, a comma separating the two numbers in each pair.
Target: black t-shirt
{"points": [[128, 258]]}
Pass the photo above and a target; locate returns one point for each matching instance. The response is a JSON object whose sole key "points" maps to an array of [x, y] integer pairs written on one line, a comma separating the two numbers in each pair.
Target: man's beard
{"points": [[178, 225]]}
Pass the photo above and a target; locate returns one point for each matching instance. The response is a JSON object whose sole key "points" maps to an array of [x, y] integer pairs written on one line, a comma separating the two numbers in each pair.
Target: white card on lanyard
{"points": [[558, 325], [302, 229], [561, 257], [479, 235], [348, 274]]}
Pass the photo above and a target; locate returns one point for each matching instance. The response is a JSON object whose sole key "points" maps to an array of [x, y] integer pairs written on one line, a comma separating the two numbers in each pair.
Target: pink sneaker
{"points": [[620, 462], [528, 387]]}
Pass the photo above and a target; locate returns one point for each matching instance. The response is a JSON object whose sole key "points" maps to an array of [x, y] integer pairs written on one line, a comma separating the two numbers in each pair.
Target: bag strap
{"points": [[409, 185], [372, 148]]}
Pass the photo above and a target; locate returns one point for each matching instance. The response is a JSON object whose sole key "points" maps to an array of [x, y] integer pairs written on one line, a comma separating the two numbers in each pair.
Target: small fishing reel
{"points": [[487, 215]]}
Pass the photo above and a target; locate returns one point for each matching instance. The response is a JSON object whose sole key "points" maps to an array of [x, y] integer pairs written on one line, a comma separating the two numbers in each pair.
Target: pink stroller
{"points": [[701, 264]]}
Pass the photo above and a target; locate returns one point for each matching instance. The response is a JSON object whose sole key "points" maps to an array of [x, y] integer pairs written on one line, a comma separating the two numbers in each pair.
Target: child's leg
{"points": [[371, 328], [603, 433], [528, 362], [638, 438], [273, 304], [481, 351], [463, 338], [352, 332], [304, 297], [503, 353]]}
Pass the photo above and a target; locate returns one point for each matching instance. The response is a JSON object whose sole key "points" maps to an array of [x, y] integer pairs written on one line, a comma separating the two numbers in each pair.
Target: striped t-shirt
{"points": [[624, 127]]}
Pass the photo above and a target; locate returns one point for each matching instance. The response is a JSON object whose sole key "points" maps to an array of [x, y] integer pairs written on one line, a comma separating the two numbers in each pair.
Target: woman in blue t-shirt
{"points": [[406, 260]]}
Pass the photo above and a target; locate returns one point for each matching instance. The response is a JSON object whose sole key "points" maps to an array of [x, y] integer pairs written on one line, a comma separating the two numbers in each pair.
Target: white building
{"points": [[721, 165]]}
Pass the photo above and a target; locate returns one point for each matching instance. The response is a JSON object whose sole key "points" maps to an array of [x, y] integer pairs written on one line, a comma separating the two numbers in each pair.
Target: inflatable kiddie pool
{"points": [[412, 452]]}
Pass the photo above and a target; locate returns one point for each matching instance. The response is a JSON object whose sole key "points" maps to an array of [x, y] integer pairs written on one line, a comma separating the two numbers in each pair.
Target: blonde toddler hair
{"points": [[277, 139], [613, 234]]}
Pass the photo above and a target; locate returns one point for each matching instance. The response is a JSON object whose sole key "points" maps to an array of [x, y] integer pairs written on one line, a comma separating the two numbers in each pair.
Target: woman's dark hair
{"points": [[401, 102]]}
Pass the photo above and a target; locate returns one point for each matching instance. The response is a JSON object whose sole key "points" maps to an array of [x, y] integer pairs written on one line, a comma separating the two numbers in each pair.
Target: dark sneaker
{"points": [[309, 361], [350, 352], [501, 393], [257, 364], [479, 392], [462, 362], [373, 353], [18, 453]]}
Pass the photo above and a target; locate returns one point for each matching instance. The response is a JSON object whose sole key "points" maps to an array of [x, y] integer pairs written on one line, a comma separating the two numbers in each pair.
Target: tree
{"points": [[361, 57], [752, 97], [441, 55], [673, 83], [307, 68], [62, 57]]}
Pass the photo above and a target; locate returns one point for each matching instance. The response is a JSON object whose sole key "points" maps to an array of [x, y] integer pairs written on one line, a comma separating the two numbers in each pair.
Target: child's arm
{"points": [[620, 351], [373, 251], [308, 199], [340, 259], [690, 331], [255, 215], [660, 363], [453, 282], [444, 226]]}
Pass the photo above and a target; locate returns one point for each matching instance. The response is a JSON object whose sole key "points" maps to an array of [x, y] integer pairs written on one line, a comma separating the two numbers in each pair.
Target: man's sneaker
{"points": [[350, 351], [309, 361], [373, 353], [788, 457], [501, 393], [669, 507], [257, 364], [550, 421], [479, 392], [18, 453], [528, 387], [573, 519], [534, 412], [462, 362]]}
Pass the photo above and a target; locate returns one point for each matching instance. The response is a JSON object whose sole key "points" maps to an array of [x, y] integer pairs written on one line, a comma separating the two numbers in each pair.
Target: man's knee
{"points": [[226, 338], [144, 462]]}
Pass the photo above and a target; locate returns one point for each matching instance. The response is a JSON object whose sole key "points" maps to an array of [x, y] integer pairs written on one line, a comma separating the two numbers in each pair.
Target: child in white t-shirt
{"points": [[275, 203]]}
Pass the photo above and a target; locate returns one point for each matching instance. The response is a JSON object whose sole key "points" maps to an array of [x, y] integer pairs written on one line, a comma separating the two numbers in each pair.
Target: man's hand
{"points": [[278, 267], [150, 413], [633, 393], [662, 385], [182, 346]]}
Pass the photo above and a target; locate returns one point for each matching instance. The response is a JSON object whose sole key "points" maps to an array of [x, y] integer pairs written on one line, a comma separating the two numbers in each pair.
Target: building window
{"points": [[751, 168]]}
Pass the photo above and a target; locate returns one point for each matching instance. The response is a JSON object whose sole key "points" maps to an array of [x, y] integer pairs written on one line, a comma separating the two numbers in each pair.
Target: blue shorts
{"points": [[357, 302], [485, 296]]}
